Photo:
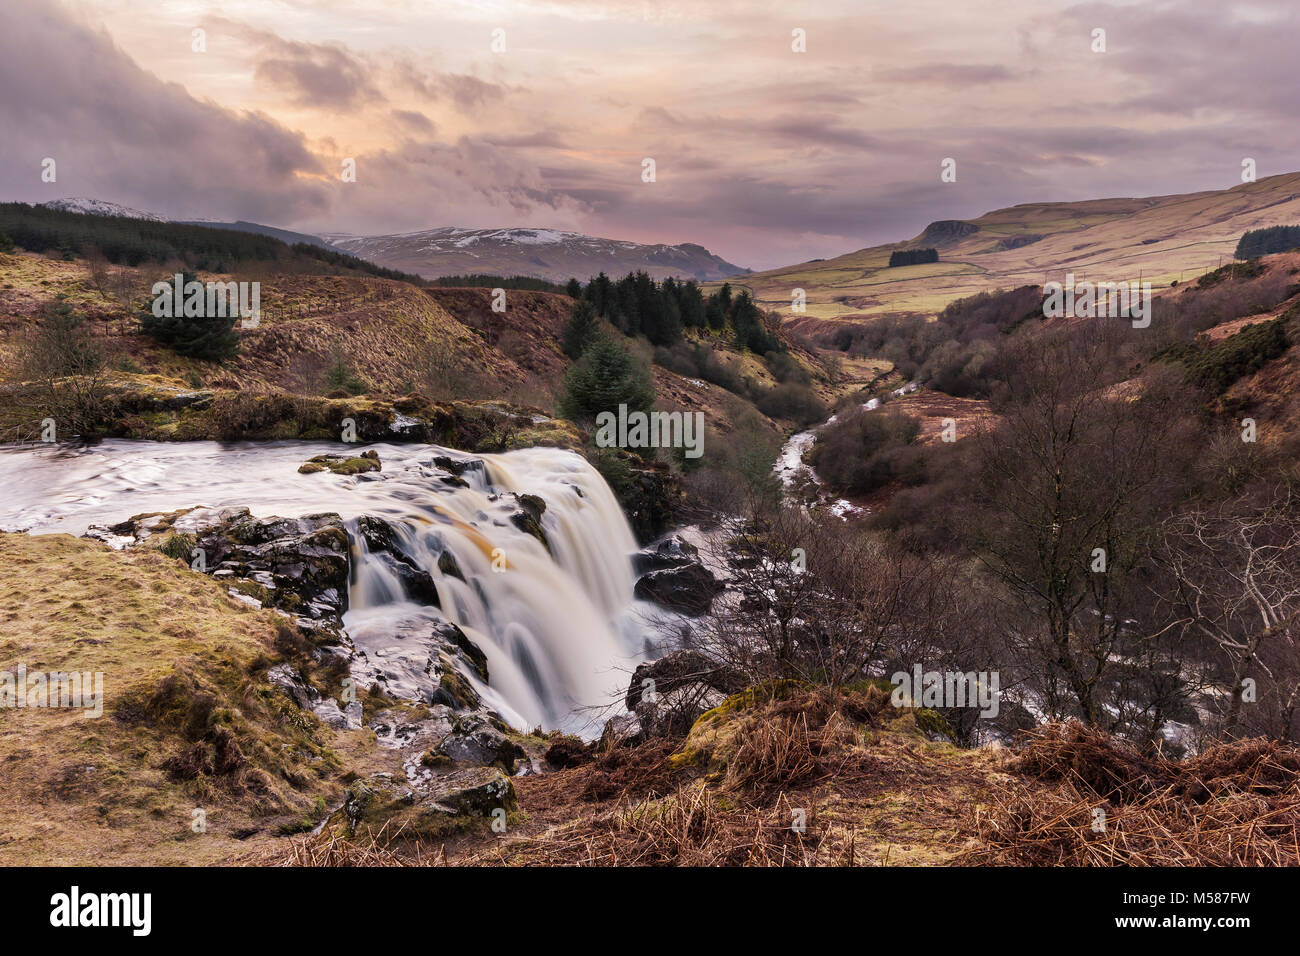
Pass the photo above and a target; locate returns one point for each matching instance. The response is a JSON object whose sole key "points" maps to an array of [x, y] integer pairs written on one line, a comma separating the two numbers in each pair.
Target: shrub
{"points": [[862, 451], [1238, 355], [340, 377]]}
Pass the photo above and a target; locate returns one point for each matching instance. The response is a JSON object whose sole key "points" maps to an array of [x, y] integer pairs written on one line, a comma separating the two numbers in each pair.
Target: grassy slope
{"points": [[1161, 238], [80, 791], [384, 329]]}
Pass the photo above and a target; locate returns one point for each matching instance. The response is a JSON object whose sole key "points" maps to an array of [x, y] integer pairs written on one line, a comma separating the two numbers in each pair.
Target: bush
{"points": [[1238, 355], [340, 377], [862, 451], [795, 403]]}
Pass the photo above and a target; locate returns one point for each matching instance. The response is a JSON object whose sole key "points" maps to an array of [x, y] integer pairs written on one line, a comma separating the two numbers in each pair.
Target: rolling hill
{"points": [[1162, 239]]}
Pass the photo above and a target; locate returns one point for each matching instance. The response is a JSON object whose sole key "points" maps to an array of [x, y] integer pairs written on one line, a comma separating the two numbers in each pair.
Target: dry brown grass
{"points": [[364, 848], [1238, 804]]}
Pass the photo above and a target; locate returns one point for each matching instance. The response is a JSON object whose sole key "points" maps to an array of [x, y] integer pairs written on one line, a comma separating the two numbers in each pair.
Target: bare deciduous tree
{"points": [[1236, 574]]}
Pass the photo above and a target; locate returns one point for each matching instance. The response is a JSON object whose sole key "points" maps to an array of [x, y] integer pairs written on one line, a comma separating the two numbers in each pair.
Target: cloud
{"points": [[947, 74], [119, 133], [414, 120]]}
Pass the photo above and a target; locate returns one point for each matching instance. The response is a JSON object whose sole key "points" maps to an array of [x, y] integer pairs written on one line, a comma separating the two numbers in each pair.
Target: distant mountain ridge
{"points": [[541, 253], [549, 254], [100, 207]]}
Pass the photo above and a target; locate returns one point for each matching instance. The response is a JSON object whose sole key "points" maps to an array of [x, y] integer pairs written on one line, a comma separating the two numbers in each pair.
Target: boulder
{"points": [[673, 551], [681, 668], [473, 792], [474, 739], [623, 730], [689, 589]]}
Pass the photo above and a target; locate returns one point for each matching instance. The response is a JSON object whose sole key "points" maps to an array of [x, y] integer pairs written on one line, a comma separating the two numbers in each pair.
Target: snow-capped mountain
{"points": [[100, 207], [542, 253]]}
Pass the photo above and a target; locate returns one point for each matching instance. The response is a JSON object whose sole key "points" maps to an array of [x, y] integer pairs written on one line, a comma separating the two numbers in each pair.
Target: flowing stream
{"points": [[790, 465], [560, 631]]}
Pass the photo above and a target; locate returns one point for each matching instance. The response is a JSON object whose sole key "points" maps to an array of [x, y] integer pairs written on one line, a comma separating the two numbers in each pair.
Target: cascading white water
{"points": [[558, 629]]}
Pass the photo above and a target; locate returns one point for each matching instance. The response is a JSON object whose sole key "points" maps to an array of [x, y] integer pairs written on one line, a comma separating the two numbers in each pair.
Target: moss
{"points": [[758, 694], [921, 722], [341, 465], [251, 589], [455, 685]]}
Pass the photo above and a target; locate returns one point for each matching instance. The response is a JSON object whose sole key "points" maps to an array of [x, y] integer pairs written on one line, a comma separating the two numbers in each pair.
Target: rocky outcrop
{"points": [[651, 498], [298, 565], [673, 551]]}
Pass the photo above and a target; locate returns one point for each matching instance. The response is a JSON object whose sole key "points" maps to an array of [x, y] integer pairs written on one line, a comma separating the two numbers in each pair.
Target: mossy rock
{"points": [[922, 722], [341, 464]]}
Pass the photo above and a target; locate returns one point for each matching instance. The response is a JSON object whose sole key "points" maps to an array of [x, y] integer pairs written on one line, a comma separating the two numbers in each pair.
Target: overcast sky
{"points": [[764, 155]]}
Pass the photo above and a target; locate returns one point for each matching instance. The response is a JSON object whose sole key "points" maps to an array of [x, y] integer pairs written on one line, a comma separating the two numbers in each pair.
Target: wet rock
{"points": [[454, 689], [528, 518], [459, 466], [385, 544], [673, 551], [474, 739], [417, 585], [449, 633], [651, 499], [689, 589], [448, 566]]}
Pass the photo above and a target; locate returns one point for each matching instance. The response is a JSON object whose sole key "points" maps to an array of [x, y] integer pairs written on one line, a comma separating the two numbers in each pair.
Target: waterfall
{"points": [[557, 626]]}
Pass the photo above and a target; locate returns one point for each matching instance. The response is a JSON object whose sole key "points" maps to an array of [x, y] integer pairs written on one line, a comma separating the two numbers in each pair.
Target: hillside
{"points": [[1160, 238], [542, 253]]}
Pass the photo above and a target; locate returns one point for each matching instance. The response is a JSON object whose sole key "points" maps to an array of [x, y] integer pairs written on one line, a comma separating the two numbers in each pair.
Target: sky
{"points": [[542, 112]]}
